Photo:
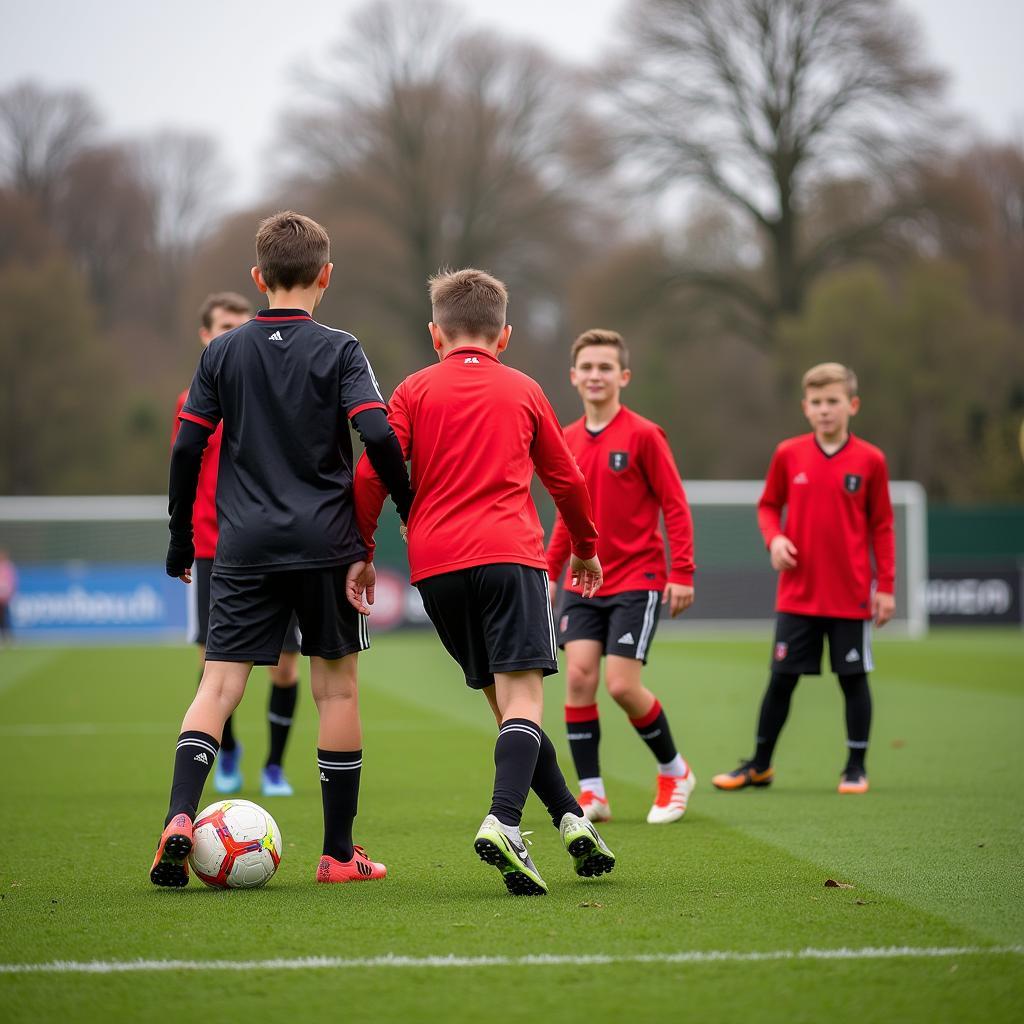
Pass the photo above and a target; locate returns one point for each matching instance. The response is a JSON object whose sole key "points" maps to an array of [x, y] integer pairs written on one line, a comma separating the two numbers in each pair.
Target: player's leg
{"points": [[284, 689], [583, 723], [849, 644], [797, 650]]}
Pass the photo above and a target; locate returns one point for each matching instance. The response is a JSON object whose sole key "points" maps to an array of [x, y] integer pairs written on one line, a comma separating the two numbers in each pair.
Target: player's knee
{"points": [[581, 683], [622, 688]]}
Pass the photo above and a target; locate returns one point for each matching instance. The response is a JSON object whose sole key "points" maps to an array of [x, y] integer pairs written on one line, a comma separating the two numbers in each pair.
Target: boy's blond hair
{"points": [[823, 374], [291, 250], [600, 336], [468, 303], [231, 301]]}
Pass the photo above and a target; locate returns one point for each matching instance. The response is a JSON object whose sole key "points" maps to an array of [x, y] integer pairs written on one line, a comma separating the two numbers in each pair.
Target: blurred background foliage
{"points": [[742, 189]]}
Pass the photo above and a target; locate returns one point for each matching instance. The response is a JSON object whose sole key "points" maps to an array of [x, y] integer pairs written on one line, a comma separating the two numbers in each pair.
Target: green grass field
{"points": [[934, 852]]}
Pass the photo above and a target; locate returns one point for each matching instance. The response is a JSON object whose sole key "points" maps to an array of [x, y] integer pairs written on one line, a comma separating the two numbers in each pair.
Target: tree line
{"points": [[741, 188]]}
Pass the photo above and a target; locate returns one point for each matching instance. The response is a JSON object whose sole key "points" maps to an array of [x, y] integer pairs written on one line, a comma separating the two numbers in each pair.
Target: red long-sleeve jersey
{"points": [[474, 431], [837, 513], [632, 479], [204, 512]]}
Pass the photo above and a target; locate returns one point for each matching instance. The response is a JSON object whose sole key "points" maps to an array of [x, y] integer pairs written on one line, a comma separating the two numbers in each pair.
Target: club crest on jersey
{"points": [[852, 482], [781, 650], [563, 623], [618, 461]]}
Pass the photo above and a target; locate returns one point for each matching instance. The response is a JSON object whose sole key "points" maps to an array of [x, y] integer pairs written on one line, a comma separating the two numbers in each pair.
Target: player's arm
{"points": [[564, 481], [558, 551], [883, 543], [769, 515], [663, 477], [178, 405]]}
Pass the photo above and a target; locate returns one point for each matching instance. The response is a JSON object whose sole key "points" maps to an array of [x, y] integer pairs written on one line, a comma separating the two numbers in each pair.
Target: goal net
{"points": [[92, 567]]}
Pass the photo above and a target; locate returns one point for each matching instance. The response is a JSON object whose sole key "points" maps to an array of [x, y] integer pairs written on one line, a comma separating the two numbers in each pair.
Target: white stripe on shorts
{"points": [[648, 626], [869, 661], [551, 617]]}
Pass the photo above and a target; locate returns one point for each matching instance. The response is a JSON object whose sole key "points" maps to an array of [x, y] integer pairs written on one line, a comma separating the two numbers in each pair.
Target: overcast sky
{"points": [[226, 66]]}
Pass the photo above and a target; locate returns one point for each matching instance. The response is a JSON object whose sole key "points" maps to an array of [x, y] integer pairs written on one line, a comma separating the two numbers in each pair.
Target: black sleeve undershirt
{"points": [[186, 461], [385, 455]]}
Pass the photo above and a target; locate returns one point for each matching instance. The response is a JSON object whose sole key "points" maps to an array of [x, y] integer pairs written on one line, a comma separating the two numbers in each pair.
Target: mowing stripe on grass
{"points": [[543, 960]]}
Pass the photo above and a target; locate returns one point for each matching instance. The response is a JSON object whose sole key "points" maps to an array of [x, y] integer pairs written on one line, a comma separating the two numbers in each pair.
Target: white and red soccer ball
{"points": [[236, 844]]}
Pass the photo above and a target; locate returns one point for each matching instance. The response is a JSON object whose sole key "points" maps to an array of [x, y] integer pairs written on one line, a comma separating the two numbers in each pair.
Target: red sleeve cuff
{"points": [[585, 551], [193, 418], [366, 405], [684, 579], [887, 586]]}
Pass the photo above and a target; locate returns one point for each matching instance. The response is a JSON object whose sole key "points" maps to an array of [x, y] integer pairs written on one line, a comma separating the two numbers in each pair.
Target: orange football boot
{"points": [[359, 869], [853, 782], [170, 866], [745, 775]]}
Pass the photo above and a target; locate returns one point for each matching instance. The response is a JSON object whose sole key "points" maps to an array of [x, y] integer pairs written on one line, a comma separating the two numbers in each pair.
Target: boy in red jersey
{"points": [[633, 480], [834, 488], [475, 431], [219, 313]]}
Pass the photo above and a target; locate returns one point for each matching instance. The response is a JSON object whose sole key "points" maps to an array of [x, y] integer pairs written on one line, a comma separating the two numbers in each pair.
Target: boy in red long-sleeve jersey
{"points": [[633, 481], [834, 488]]}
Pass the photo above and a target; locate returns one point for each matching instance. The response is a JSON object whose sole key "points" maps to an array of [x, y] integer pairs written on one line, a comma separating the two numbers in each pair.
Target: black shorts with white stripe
{"points": [[250, 615], [800, 641], [493, 618], [624, 624]]}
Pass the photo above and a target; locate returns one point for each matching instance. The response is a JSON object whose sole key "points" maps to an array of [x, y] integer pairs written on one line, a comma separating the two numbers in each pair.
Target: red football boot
{"points": [[170, 865], [359, 869]]}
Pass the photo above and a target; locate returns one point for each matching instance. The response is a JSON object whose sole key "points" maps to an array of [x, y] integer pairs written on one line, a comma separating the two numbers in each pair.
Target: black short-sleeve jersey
{"points": [[285, 388]]}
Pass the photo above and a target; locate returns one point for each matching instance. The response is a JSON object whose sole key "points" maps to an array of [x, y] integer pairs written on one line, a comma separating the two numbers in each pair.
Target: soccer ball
{"points": [[235, 845]]}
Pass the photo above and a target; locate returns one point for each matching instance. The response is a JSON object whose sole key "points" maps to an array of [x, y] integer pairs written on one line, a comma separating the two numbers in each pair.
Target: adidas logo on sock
{"points": [[626, 638], [201, 757], [276, 336], [323, 778], [853, 654]]}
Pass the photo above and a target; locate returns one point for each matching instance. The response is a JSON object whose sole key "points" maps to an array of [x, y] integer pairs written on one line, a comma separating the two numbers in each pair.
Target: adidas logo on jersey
{"points": [[202, 757], [276, 336], [323, 778], [853, 654], [626, 638], [801, 478]]}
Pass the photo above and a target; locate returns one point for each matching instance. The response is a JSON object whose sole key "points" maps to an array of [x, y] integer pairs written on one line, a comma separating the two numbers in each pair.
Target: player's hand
{"points": [[403, 532], [180, 556], [882, 608], [359, 580], [678, 597], [783, 553], [553, 592], [587, 574]]}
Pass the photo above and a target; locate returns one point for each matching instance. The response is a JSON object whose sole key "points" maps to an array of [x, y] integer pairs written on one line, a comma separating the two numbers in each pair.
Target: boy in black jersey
{"points": [[284, 386]]}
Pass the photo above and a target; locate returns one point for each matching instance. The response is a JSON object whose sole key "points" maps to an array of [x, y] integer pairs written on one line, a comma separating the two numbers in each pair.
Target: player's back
{"points": [[472, 426], [283, 386]]}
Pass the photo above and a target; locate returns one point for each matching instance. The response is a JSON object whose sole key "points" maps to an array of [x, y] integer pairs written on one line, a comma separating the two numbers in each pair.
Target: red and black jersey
{"points": [[633, 480], [837, 514], [285, 388], [204, 512], [474, 431]]}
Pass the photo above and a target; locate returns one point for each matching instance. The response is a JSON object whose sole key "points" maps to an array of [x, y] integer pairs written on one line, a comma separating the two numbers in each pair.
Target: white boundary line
{"points": [[543, 960]]}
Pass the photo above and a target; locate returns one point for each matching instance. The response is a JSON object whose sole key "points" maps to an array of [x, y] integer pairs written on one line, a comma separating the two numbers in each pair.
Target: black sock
{"points": [[193, 760], [515, 761], [653, 729], [339, 787], [549, 783], [858, 719], [227, 739], [584, 731], [774, 711], [279, 715]]}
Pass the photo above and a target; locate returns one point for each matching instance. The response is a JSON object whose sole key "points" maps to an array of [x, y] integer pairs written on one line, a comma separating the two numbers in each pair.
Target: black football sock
{"points": [[774, 712], [583, 728], [339, 787], [549, 783], [280, 714], [857, 694], [227, 740], [515, 761], [193, 760], [653, 729]]}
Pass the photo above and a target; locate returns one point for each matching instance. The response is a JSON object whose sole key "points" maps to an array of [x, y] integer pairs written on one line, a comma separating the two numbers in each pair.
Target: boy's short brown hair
{"points": [[231, 301], [823, 374], [468, 303], [291, 249], [599, 336]]}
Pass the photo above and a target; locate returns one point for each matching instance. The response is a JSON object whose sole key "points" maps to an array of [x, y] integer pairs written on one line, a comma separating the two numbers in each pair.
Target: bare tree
{"points": [[756, 101], [41, 133]]}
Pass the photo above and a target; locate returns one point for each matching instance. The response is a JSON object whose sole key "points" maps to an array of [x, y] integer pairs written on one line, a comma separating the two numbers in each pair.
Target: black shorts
{"points": [[493, 618], [624, 624], [199, 610], [799, 642], [250, 615]]}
